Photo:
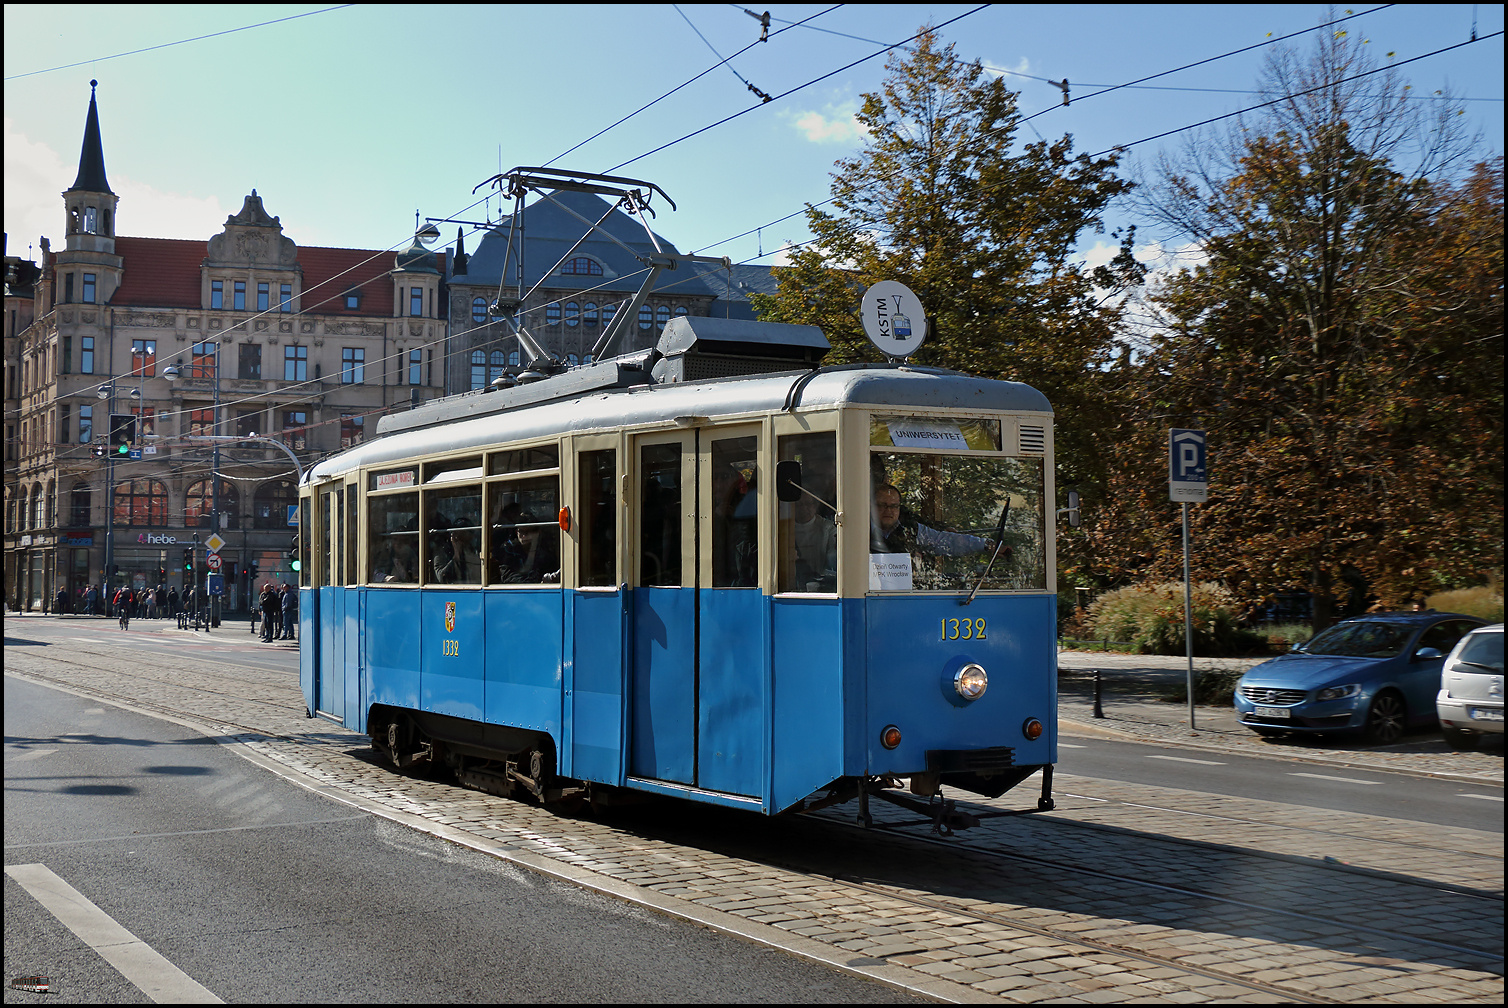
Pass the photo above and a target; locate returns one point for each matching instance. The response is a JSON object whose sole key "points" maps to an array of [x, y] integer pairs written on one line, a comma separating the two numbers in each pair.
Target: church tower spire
{"points": [[89, 202]]}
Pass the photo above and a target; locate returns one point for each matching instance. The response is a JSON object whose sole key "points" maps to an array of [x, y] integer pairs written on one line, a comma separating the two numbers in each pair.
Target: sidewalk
{"points": [[1131, 691]]}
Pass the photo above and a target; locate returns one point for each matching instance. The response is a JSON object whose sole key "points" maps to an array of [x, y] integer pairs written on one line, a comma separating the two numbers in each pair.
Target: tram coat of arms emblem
{"points": [[450, 617]]}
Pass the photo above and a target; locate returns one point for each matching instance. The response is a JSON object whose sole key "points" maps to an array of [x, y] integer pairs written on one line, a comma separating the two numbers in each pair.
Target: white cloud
{"points": [[36, 175], [833, 125]]}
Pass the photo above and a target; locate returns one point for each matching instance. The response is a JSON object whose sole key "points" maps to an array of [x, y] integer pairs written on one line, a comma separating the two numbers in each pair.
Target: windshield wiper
{"points": [[999, 542]]}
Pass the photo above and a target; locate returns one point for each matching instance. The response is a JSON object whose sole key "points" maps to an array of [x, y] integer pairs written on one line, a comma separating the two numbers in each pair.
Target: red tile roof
{"points": [[165, 273]]}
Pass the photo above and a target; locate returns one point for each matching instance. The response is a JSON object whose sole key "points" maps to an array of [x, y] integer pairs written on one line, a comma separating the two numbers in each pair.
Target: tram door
{"points": [[698, 656]]}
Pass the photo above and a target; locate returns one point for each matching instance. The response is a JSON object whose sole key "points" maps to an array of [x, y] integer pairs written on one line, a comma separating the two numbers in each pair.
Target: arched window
{"points": [[80, 505], [662, 316], [680, 311], [589, 316], [571, 360], [572, 314], [199, 502], [271, 502], [478, 368], [496, 370], [141, 502], [513, 358], [38, 508], [608, 311], [646, 317], [582, 266], [479, 310], [552, 314]]}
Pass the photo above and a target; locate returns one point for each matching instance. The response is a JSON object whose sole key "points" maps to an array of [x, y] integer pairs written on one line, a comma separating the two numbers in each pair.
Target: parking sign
{"points": [[1188, 473]]}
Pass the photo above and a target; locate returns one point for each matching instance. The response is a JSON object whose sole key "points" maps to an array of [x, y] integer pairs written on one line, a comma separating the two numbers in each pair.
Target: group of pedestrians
{"points": [[278, 608], [161, 602]]}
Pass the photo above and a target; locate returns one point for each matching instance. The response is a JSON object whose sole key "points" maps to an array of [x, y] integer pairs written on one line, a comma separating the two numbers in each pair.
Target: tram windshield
{"points": [[936, 522]]}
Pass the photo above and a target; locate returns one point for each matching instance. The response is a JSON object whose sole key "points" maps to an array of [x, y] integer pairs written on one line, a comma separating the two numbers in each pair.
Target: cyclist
{"points": [[123, 602]]}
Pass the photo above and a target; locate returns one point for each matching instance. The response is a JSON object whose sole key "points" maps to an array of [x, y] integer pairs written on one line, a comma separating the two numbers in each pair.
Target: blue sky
{"points": [[347, 120]]}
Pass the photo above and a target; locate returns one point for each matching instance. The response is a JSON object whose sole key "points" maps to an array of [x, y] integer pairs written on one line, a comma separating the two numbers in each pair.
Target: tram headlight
{"points": [[971, 681]]}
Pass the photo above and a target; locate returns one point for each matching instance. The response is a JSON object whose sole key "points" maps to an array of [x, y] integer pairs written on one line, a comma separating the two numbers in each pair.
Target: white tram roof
{"points": [[648, 405]]}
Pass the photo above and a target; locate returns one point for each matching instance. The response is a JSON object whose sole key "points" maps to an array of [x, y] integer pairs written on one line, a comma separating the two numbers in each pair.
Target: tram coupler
{"points": [[941, 811]]}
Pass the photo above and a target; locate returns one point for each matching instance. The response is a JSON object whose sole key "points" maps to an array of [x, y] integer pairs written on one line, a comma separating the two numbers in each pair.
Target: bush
{"points": [[1212, 688], [1151, 616], [1284, 635], [1483, 603]]}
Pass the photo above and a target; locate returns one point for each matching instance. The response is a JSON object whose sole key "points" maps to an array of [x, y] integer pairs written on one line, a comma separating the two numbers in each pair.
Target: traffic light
{"points": [[162, 575], [122, 433], [188, 561], [292, 554], [252, 570]]}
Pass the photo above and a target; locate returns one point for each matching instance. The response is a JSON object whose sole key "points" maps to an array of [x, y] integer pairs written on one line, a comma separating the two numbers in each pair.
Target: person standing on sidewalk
{"points": [[272, 612], [290, 611]]}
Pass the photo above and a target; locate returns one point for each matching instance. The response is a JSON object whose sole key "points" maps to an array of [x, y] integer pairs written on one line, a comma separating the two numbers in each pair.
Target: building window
{"points": [[201, 420], [295, 363], [352, 428], [495, 372], [248, 422], [646, 317], [143, 358], [199, 504], [263, 292], [416, 301], [513, 358], [572, 314], [294, 424], [141, 502], [552, 314], [572, 360], [86, 424], [202, 361], [662, 316], [146, 421], [68, 288], [479, 310], [86, 355], [285, 298], [416, 367], [80, 504], [478, 368], [65, 422], [88, 288], [251, 362], [352, 365], [608, 311], [239, 304], [582, 266], [353, 300], [217, 293], [271, 504]]}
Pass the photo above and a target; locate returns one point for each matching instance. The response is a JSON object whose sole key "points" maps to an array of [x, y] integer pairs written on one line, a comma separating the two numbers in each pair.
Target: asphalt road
{"points": [[236, 884]]}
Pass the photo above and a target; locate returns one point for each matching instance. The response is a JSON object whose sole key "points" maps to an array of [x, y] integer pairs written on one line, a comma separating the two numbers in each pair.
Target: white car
{"points": [[1470, 703]]}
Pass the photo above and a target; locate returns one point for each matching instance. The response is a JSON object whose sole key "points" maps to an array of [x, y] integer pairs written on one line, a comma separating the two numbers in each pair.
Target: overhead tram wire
{"points": [[729, 61], [680, 87]]}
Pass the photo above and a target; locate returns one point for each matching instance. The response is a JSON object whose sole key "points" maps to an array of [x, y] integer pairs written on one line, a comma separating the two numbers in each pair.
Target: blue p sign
{"points": [[1188, 475]]}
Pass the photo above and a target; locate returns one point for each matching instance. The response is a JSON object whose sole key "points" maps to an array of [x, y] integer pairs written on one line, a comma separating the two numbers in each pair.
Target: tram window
{"points": [[962, 433], [453, 535], [450, 470], [735, 511], [393, 528], [660, 514], [941, 532], [597, 519], [353, 535], [523, 460], [523, 545], [807, 533]]}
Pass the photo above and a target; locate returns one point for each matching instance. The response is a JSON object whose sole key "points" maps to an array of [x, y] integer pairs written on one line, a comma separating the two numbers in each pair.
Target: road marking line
{"points": [[1483, 797], [30, 754], [1343, 780], [138, 962], [1065, 745], [1183, 759]]}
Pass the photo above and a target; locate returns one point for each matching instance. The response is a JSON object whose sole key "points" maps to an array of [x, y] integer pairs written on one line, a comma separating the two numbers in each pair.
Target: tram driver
{"points": [[894, 529]]}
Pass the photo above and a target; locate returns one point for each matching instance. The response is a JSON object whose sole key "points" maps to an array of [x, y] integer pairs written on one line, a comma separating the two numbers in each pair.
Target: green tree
{"points": [[1341, 341], [984, 230]]}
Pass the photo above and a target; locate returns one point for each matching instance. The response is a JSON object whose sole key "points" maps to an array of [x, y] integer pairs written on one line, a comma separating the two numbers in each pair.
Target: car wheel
{"points": [[1385, 719], [1459, 739]]}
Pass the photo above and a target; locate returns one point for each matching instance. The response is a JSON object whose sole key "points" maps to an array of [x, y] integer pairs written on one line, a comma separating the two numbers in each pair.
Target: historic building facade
{"points": [[244, 335]]}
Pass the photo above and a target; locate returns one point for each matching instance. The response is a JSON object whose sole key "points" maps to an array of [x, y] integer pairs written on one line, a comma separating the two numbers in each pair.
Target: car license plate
{"points": [[1484, 714], [1275, 712]]}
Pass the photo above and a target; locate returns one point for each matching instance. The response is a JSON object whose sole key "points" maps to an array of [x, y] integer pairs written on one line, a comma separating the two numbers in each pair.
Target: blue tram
{"points": [[781, 588]]}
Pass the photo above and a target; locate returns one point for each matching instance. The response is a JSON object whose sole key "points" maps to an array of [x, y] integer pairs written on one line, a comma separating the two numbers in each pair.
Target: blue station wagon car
{"points": [[1376, 674]]}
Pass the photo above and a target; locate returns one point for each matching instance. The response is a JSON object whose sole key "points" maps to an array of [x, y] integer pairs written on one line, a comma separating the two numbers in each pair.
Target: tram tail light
{"points": [[565, 519], [1032, 729], [890, 737]]}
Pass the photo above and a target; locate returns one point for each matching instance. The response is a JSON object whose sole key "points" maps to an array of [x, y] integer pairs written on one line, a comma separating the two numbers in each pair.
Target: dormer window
{"points": [[353, 300], [582, 266]]}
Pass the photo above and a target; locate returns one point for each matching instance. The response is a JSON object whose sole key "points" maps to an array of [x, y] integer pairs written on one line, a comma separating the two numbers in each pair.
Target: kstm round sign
{"points": [[893, 318]]}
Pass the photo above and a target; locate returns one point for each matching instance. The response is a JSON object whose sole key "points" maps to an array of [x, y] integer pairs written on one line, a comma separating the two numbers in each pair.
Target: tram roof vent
{"points": [[695, 348]]}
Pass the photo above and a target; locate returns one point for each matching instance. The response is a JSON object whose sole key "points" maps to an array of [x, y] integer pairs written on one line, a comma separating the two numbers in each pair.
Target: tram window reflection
{"points": [[393, 524], [735, 506], [597, 516], [808, 534]]}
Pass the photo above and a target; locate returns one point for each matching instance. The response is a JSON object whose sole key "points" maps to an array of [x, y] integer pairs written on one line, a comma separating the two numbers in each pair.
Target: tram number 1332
{"points": [[963, 629], [450, 648]]}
